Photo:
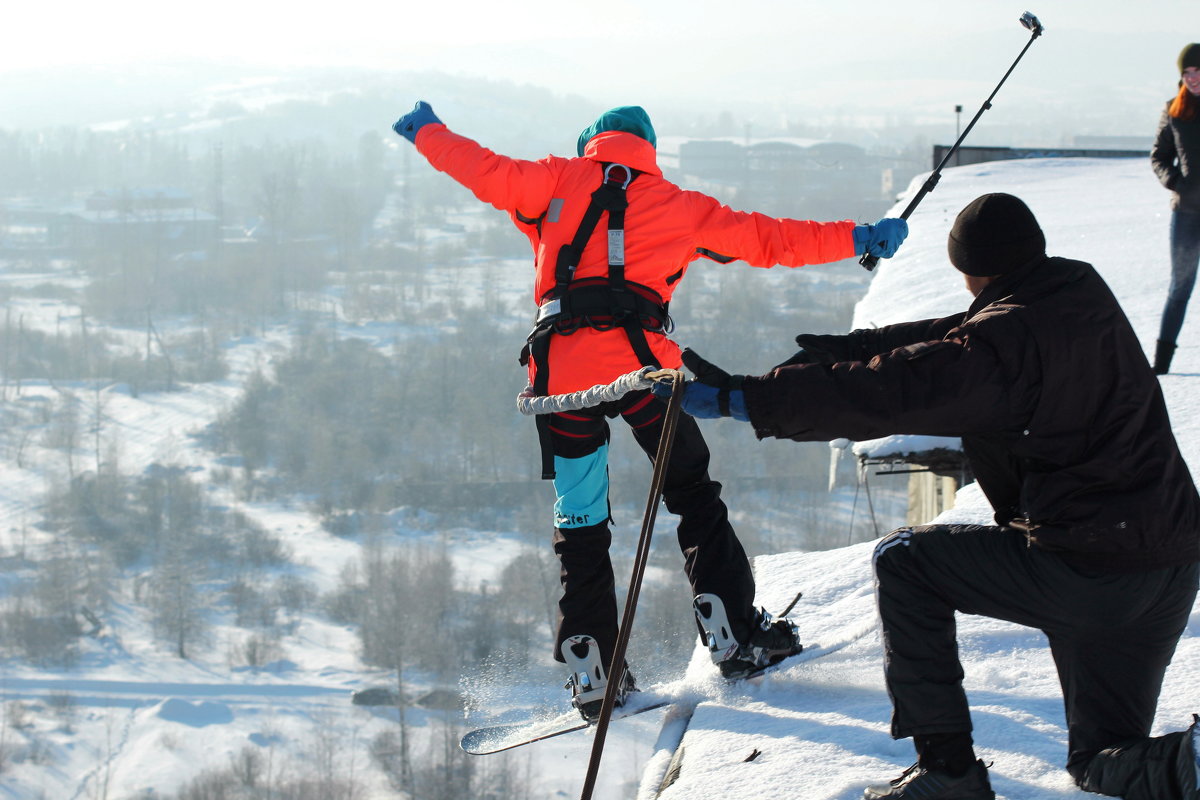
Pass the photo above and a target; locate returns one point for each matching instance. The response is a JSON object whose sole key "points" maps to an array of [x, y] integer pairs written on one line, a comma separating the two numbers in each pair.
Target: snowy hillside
{"points": [[820, 728]]}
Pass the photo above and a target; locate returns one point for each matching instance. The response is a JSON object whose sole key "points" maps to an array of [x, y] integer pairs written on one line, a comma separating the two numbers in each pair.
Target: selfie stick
{"points": [[1030, 22]]}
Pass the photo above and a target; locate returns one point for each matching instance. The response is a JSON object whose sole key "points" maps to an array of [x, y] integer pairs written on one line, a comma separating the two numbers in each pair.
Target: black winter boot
{"points": [[921, 783], [1162, 356], [1147, 769]]}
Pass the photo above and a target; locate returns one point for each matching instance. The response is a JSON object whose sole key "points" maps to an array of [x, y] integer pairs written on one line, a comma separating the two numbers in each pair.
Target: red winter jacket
{"points": [[666, 228]]}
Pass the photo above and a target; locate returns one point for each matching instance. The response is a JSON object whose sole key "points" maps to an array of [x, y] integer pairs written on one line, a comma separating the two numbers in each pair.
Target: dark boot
{"points": [[952, 752], [1162, 356], [920, 783], [1147, 769]]}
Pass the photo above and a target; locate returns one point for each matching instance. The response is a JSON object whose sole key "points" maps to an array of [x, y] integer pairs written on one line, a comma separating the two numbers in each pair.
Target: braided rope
{"points": [[528, 403]]}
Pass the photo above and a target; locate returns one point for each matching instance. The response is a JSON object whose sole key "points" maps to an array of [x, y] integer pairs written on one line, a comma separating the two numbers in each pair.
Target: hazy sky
{"points": [[866, 54]]}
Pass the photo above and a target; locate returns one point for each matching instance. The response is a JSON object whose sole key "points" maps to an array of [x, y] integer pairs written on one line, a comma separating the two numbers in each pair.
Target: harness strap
{"points": [[626, 307], [610, 197], [625, 300], [539, 349], [596, 304]]}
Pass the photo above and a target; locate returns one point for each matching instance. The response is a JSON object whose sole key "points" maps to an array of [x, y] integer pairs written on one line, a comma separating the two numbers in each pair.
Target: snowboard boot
{"points": [[1149, 769], [770, 640], [588, 681], [923, 783], [1163, 351]]}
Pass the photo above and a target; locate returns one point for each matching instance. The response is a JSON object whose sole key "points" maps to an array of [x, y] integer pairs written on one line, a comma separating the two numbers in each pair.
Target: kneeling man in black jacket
{"points": [[1097, 533]]}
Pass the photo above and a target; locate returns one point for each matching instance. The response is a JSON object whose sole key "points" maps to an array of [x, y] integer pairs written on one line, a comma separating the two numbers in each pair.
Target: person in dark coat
{"points": [[1097, 520], [1175, 157]]}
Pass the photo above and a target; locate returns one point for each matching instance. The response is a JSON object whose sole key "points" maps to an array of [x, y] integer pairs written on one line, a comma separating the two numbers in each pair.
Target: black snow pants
{"points": [[714, 560], [1111, 637]]}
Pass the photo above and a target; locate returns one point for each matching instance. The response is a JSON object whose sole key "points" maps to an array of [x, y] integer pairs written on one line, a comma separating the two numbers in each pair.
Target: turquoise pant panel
{"points": [[581, 485]]}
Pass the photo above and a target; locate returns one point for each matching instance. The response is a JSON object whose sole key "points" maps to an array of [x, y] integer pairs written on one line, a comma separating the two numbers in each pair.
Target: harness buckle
{"points": [[548, 310], [628, 174]]}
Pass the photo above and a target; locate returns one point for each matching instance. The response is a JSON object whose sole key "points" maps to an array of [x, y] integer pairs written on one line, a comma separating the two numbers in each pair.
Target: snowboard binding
{"points": [[770, 641], [588, 680]]}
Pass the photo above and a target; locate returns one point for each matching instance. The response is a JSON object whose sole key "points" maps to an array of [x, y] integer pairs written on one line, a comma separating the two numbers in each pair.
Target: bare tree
{"points": [[176, 604], [177, 601]]}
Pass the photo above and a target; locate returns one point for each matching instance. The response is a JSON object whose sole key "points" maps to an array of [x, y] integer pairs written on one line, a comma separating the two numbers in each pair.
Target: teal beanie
{"points": [[631, 119]]}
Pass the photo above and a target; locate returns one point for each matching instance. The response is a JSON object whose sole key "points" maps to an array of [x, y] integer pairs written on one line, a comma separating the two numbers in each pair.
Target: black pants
{"points": [[714, 560], [1111, 635]]}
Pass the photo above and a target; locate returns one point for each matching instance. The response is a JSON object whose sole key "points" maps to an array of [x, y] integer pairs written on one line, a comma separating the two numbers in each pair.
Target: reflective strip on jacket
{"points": [[666, 228]]}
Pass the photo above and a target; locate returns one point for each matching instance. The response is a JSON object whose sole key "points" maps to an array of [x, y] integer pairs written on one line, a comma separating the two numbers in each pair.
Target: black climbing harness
{"points": [[598, 303]]}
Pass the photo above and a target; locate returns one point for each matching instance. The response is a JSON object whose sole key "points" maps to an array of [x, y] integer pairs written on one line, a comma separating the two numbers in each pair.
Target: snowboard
{"points": [[498, 738]]}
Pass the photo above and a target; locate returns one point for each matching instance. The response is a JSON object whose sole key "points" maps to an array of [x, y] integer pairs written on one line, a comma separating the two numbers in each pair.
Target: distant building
{"points": [[165, 221], [24, 226], [784, 176], [131, 200], [713, 160], [171, 232]]}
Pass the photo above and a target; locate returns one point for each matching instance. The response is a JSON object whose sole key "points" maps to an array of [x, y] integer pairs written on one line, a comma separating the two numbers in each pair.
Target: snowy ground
{"points": [[820, 727]]}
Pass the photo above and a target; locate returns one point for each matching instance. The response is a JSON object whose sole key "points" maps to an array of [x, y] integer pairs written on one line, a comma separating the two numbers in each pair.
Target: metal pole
{"points": [[616, 669], [1031, 22]]}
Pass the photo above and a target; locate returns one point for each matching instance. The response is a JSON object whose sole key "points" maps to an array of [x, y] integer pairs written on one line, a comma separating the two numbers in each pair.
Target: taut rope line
{"points": [[529, 404]]}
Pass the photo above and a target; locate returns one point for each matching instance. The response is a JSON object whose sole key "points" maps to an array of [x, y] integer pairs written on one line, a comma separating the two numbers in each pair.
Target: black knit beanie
{"points": [[994, 235], [1189, 57]]}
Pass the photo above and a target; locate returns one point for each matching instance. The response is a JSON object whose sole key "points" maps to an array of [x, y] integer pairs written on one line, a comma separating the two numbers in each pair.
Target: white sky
{"points": [[698, 49]]}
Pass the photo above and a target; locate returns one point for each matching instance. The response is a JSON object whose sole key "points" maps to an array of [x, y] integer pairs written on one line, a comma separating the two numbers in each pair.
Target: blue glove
{"points": [[715, 393], [882, 239], [421, 115], [704, 402]]}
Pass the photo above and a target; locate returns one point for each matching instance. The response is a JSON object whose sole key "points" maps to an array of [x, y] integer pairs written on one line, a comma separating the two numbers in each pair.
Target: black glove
{"points": [[828, 348], [820, 348]]}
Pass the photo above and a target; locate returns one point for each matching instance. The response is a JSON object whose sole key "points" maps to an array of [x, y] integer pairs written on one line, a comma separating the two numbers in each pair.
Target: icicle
{"points": [[836, 448]]}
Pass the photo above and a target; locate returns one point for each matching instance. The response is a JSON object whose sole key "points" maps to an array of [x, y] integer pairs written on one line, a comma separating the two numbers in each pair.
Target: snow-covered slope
{"points": [[820, 728]]}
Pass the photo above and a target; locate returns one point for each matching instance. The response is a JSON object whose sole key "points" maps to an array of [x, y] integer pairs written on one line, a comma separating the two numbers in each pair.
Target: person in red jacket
{"points": [[602, 312]]}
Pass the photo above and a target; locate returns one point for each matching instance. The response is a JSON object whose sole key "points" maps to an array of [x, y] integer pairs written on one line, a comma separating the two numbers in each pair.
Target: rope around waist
{"points": [[529, 403]]}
